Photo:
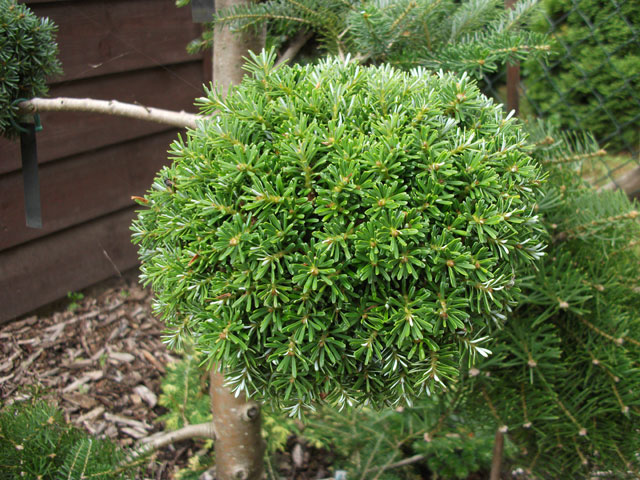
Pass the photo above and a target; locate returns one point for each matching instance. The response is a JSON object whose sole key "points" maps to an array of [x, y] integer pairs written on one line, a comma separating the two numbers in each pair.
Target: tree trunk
{"points": [[230, 49], [239, 446]]}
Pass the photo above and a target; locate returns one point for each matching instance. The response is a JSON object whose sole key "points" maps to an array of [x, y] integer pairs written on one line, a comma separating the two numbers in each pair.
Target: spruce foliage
{"points": [[36, 442], [28, 55], [340, 232], [185, 393], [474, 36]]}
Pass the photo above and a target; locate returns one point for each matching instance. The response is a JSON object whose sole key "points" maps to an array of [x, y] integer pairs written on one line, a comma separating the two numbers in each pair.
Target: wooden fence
{"points": [[90, 165]]}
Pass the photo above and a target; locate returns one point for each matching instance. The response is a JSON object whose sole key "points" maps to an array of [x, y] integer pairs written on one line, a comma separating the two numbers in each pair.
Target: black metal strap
{"points": [[29, 153]]}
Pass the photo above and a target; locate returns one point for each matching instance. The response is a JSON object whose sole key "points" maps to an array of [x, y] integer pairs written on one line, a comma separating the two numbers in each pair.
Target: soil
{"points": [[100, 357]]}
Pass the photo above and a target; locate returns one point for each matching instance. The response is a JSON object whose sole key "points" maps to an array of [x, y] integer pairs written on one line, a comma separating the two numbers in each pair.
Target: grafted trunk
{"points": [[239, 445], [230, 49]]}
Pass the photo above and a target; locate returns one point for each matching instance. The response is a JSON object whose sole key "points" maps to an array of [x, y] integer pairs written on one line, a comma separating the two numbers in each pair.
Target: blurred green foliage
{"points": [[37, 443], [592, 79]]}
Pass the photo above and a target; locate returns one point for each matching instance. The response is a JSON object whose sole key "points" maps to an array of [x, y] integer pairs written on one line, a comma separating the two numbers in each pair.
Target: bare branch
{"points": [[162, 439], [405, 462], [109, 107], [294, 47]]}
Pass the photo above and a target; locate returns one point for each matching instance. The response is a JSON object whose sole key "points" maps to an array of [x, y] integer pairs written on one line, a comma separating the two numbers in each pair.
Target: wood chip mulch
{"points": [[101, 360]]}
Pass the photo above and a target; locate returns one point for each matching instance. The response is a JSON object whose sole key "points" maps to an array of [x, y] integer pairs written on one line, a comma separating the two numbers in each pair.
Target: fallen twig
{"points": [[162, 439], [201, 430]]}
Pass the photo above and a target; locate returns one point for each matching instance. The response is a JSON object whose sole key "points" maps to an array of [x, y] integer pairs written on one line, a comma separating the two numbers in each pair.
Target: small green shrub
{"points": [[593, 78], [28, 54], [341, 232], [36, 442], [185, 393]]}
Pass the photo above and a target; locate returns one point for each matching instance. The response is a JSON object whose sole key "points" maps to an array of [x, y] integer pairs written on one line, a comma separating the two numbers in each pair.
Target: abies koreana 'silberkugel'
{"points": [[341, 232]]}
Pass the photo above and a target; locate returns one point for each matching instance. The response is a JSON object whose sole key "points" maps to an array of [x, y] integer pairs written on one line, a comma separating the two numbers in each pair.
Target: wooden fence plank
{"points": [[83, 187], [130, 50], [38, 273], [69, 133], [98, 37]]}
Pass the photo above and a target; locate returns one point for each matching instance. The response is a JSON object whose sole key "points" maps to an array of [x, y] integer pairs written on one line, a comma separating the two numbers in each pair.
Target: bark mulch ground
{"points": [[100, 357]]}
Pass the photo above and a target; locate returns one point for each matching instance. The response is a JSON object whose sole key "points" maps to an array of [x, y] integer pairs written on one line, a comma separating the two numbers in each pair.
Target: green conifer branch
{"points": [[410, 32]]}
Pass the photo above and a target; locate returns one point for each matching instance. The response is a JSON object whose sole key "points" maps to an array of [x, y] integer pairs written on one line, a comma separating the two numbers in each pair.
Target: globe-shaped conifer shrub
{"points": [[341, 232], [28, 54]]}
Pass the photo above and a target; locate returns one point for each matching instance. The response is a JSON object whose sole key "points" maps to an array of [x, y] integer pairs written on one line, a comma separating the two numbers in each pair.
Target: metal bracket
{"points": [[29, 153]]}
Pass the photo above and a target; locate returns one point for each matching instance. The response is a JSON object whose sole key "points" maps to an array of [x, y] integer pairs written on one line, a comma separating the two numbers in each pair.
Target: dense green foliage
{"points": [[28, 54], [36, 442], [593, 78], [340, 232], [563, 376], [473, 36]]}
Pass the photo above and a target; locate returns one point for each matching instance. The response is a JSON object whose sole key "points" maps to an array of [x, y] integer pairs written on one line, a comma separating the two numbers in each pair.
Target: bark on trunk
{"points": [[230, 49], [239, 445]]}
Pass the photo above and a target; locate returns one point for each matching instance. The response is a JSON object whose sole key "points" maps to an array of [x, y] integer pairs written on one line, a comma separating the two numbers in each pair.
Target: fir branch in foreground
{"points": [[473, 36]]}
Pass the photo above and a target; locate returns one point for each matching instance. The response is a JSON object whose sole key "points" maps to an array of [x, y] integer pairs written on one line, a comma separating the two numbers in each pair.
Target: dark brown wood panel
{"points": [[83, 187], [69, 133], [38, 273], [98, 37], [129, 50]]}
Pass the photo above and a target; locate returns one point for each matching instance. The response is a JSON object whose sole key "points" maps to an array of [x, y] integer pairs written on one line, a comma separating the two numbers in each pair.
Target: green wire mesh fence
{"points": [[591, 81]]}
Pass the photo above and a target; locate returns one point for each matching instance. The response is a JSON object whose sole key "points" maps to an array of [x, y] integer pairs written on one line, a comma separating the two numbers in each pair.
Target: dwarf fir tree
{"points": [[350, 234], [341, 233], [563, 376]]}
